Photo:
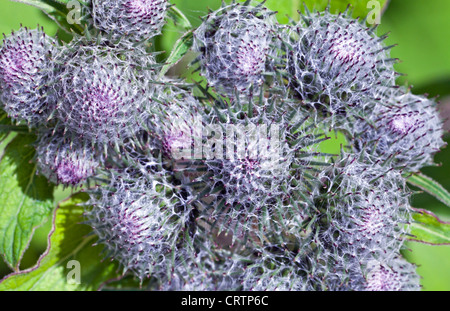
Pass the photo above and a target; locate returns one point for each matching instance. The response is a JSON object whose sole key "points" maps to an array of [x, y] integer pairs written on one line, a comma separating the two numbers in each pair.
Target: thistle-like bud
{"points": [[369, 211], [403, 128], [135, 19], [335, 61], [175, 122], [256, 167], [26, 70], [364, 216], [254, 162], [256, 147], [64, 160], [136, 220], [101, 95], [234, 43]]}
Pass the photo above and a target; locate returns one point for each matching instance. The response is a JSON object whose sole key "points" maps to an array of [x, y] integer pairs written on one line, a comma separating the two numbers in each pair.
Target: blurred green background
{"points": [[422, 31]]}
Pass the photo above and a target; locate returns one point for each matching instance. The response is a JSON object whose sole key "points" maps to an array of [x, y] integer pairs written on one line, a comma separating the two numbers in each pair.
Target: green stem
{"points": [[14, 128]]}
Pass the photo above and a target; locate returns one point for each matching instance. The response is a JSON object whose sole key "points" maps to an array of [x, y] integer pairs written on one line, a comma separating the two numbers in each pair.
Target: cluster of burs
{"points": [[109, 121]]}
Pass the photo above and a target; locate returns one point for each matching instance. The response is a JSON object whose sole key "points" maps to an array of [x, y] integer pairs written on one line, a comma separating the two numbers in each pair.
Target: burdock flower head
{"points": [[135, 19], [101, 95], [175, 123], [250, 178], [234, 43], [26, 70], [258, 157], [137, 223], [335, 60], [64, 160], [368, 210], [403, 128], [364, 217]]}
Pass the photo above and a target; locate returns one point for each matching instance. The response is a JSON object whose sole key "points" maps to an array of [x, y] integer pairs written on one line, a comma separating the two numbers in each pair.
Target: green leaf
{"points": [[4, 122], [429, 229], [181, 47], [42, 5], [290, 7], [68, 242], [57, 11], [61, 1], [7, 128], [179, 18], [47, 5], [430, 186], [27, 199]]}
